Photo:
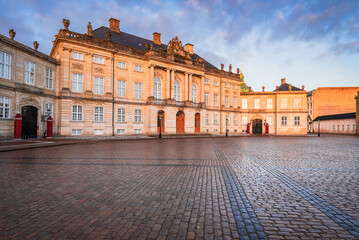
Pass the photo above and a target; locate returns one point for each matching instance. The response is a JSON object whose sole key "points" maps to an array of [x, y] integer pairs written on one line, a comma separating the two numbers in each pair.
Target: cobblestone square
{"points": [[189, 188]]}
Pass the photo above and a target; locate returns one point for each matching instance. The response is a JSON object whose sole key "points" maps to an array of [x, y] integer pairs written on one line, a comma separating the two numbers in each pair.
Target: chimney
{"points": [[283, 81], [114, 25], [263, 89], [157, 38], [302, 87], [189, 48], [290, 87]]}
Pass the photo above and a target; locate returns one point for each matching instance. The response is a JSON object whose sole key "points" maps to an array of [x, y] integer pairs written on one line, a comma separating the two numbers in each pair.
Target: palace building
{"points": [[108, 82]]}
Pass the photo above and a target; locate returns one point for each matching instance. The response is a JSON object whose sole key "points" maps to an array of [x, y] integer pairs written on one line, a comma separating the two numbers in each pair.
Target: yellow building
{"points": [[110, 82]]}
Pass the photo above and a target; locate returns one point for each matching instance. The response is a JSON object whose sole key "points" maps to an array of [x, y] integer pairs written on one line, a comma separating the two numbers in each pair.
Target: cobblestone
{"points": [[220, 188]]}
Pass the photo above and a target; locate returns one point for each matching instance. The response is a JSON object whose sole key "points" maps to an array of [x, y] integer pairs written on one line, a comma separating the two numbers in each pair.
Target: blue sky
{"points": [[312, 43]]}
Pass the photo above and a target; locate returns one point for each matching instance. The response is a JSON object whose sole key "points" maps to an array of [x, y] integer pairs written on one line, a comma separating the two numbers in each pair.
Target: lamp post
{"points": [[264, 126], [319, 127], [160, 123], [226, 127]]}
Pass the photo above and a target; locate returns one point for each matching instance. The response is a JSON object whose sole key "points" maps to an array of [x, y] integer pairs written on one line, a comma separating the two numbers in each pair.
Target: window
{"points": [[228, 122], [48, 109], [337, 127], [98, 131], [215, 83], [207, 119], [194, 93], [284, 121], [76, 131], [284, 103], [5, 65], [215, 100], [78, 56], [138, 68], [138, 115], [353, 127], [99, 60], [120, 131], [76, 82], [348, 127], [138, 90], [98, 114], [49, 78], [4, 107], [207, 130], [342, 127], [98, 85], [257, 103], [121, 91], [177, 90], [296, 103], [297, 121], [215, 130], [333, 127], [270, 121], [244, 103], [235, 120], [269, 103], [226, 85], [234, 102], [137, 131], [244, 120], [235, 131], [226, 101], [206, 99], [215, 119], [121, 64], [157, 88], [121, 116], [234, 86], [30, 73], [206, 81], [76, 113]]}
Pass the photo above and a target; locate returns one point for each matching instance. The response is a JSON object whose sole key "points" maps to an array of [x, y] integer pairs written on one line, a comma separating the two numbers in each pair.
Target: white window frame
{"points": [[194, 93], [284, 103], [98, 114], [177, 91], [234, 86], [206, 81], [138, 68], [5, 103], [77, 82], [121, 115], [99, 81], [121, 64], [226, 99], [29, 72], [138, 90], [76, 113], [244, 103], [296, 103], [157, 88], [49, 78], [257, 103], [99, 60], [234, 102], [206, 99], [297, 121], [138, 116], [226, 85], [215, 100], [77, 55], [270, 120], [207, 119], [244, 120], [269, 103], [76, 132], [235, 120], [137, 131], [121, 131], [215, 119], [98, 132], [5, 65], [215, 83], [284, 121], [121, 88]]}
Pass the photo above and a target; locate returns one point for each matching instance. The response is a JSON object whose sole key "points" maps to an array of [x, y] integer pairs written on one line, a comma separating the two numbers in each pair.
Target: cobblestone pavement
{"points": [[197, 188]]}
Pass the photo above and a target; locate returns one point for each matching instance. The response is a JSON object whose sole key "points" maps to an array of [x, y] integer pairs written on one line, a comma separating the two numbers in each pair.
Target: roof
{"points": [[336, 116], [133, 41], [285, 87], [27, 49]]}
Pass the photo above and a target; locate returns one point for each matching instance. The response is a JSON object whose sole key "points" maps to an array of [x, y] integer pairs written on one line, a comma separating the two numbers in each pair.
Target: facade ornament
{"points": [[263, 88], [175, 47], [12, 33], [108, 35], [36, 45], [276, 88], [89, 29], [230, 68], [302, 87], [237, 70], [147, 46], [66, 23], [222, 66]]}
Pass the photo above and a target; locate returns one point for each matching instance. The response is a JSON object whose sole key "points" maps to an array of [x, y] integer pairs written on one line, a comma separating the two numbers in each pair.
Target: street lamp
{"points": [[226, 127], [160, 123], [319, 127]]}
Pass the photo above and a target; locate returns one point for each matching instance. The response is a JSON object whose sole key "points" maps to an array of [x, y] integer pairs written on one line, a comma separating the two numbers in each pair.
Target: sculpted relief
{"points": [[77, 66], [175, 47]]}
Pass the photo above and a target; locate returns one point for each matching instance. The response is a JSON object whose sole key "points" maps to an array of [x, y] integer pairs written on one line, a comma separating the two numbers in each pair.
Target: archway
{"points": [[180, 122], [161, 121], [29, 122], [257, 126], [197, 123]]}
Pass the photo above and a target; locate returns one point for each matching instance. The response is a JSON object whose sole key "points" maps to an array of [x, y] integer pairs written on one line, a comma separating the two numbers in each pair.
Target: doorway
{"points": [[161, 121], [180, 122], [197, 123], [29, 122], [257, 126]]}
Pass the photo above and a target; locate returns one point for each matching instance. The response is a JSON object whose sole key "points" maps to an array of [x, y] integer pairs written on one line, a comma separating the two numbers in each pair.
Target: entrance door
{"points": [[29, 122], [257, 126], [161, 121], [197, 123], [180, 122]]}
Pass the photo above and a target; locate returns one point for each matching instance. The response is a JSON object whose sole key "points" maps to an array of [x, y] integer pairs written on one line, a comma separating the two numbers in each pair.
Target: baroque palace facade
{"points": [[108, 82]]}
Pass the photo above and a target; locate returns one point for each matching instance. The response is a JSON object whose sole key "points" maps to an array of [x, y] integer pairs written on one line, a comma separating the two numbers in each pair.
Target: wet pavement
{"points": [[196, 188]]}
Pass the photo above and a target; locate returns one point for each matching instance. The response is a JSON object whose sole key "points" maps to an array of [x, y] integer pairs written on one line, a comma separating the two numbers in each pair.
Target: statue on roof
{"points": [[175, 47]]}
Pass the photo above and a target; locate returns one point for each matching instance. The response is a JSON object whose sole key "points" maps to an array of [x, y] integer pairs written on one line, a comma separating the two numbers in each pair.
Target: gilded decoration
{"points": [[77, 66], [175, 47]]}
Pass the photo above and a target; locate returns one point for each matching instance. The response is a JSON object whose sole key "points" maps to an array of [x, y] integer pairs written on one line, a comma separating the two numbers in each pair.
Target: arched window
{"points": [[157, 88], [177, 90], [194, 93]]}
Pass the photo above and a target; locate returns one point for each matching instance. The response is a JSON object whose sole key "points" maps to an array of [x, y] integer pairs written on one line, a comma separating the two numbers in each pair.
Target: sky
{"points": [[312, 43]]}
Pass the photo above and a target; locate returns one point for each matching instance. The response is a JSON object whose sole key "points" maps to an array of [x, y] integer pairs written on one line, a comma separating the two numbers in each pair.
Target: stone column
{"points": [[172, 83], [202, 89], [190, 88], [152, 74], [168, 82]]}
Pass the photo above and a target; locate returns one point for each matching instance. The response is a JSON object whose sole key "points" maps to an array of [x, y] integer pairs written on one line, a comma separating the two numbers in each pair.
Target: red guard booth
{"points": [[18, 126], [267, 128], [50, 123], [248, 128]]}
